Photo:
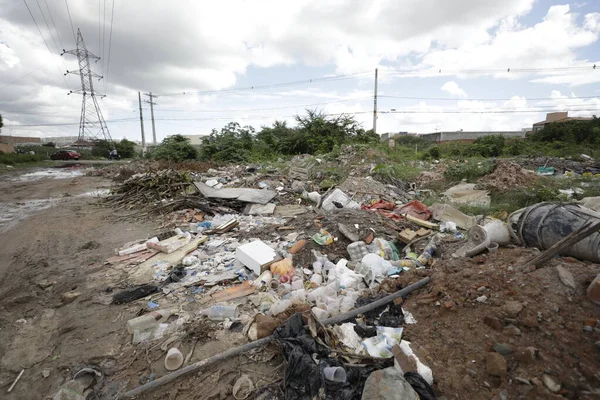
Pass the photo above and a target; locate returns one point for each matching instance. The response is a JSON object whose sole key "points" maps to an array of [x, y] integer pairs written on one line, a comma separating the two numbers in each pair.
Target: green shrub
{"points": [[470, 171], [175, 148]]}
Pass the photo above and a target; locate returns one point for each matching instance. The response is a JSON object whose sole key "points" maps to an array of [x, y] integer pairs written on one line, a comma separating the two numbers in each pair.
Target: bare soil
{"points": [[62, 247]]}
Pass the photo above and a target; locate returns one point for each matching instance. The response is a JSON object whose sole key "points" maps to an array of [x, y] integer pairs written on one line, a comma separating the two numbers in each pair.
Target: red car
{"points": [[66, 155]]}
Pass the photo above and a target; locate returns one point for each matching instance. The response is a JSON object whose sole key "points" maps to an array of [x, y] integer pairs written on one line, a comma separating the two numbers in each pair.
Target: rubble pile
{"points": [[508, 175]]}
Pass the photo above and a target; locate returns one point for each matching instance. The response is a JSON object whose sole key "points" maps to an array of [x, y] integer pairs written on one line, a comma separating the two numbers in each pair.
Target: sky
{"points": [[442, 65]]}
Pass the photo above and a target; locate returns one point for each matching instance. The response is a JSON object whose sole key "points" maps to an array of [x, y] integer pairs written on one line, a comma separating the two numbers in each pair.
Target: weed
{"points": [[470, 170]]}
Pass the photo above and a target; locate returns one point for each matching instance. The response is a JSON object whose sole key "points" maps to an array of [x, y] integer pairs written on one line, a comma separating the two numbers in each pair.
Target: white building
{"points": [[195, 140]]}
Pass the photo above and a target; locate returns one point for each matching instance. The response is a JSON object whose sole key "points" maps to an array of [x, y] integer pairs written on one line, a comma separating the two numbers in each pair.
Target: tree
{"points": [[125, 148], [1, 124], [232, 143], [175, 148]]}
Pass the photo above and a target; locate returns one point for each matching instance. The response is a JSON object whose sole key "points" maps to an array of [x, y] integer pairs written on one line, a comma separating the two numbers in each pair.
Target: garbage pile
{"points": [[313, 276]]}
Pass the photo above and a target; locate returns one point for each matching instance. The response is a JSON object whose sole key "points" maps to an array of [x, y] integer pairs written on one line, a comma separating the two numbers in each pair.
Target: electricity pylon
{"points": [[91, 123]]}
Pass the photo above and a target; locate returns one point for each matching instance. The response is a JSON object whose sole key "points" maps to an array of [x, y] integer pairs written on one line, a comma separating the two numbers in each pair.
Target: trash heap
{"points": [[314, 275]]}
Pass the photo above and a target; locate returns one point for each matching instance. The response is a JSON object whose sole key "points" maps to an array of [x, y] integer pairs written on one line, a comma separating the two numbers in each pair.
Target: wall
{"points": [[195, 140], [468, 136], [7, 148], [19, 139]]}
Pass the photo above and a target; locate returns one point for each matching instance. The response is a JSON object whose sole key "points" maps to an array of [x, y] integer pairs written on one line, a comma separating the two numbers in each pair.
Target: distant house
{"points": [[561, 116]]}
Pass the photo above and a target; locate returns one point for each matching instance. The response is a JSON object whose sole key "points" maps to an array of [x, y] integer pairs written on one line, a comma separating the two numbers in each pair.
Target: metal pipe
{"points": [[261, 342]]}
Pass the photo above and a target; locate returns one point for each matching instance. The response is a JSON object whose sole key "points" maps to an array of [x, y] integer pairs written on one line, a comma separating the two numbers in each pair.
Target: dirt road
{"points": [[53, 239]]}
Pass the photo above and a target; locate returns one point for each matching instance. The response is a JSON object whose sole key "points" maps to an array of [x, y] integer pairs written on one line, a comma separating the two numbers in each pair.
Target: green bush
{"points": [[175, 148], [470, 171], [125, 148], [487, 146]]}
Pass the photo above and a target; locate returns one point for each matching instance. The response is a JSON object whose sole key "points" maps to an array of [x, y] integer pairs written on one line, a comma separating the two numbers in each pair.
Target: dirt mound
{"points": [[531, 320], [509, 175]]}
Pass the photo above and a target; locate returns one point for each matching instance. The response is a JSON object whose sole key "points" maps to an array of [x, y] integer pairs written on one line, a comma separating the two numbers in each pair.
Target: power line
{"points": [[273, 108], [71, 123], [47, 26], [257, 87], [485, 99], [71, 21], [99, 36], [398, 72], [439, 71], [103, 34], [54, 24], [112, 16], [46, 43], [479, 111]]}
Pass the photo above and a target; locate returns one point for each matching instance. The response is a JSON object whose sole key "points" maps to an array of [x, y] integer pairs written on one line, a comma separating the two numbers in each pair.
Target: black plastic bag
{"points": [[128, 296], [302, 376], [355, 379], [420, 385], [393, 317]]}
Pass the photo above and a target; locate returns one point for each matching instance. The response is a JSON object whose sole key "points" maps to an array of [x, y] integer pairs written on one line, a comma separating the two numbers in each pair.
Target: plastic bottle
{"points": [[222, 312], [147, 321]]}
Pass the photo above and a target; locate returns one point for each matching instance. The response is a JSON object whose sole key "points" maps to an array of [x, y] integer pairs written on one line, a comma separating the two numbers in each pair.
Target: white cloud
{"points": [[453, 89], [198, 46], [550, 43]]}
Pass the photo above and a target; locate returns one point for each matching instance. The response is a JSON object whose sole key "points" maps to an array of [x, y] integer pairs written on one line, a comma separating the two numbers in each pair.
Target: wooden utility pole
{"points": [[152, 104], [142, 123], [375, 105]]}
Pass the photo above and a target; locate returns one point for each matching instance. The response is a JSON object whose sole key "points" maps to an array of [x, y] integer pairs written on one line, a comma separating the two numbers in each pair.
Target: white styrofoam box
{"points": [[255, 254]]}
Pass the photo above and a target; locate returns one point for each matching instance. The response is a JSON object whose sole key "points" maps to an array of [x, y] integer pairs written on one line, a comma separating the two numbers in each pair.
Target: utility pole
{"points": [[152, 104], [375, 105], [142, 123]]}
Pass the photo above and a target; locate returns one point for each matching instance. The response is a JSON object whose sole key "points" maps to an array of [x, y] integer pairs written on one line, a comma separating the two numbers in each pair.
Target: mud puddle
{"points": [[50, 173]]}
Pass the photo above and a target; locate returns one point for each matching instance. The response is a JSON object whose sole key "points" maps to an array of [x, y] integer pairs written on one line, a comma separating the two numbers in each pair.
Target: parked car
{"points": [[66, 155]]}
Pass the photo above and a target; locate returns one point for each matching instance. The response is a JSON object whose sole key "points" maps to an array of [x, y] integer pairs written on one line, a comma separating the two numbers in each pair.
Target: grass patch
{"points": [[390, 173], [471, 170], [15, 158]]}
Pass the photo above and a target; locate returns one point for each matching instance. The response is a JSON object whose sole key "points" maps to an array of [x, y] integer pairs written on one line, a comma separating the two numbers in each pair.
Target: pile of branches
{"points": [[163, 191]]}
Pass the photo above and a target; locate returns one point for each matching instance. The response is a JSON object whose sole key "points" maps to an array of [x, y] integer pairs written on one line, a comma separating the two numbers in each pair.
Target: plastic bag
{"points": [[302, 375]]}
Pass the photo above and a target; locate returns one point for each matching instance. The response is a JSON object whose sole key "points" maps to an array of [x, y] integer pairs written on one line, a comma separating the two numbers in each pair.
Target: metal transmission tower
{"points": [[91, 123]]}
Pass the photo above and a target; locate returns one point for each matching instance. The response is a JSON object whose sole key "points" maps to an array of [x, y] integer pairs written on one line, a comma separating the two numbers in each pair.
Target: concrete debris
{"points": [[465, 193]]}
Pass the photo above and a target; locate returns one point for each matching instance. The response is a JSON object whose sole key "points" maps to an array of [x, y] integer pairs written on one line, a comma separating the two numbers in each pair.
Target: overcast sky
{"points": [[442, 64]]}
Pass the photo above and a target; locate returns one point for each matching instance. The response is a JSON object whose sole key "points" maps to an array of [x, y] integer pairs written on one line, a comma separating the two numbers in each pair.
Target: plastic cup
{"points": [[320, 313], [492, 247], [174, 359], [316, 279], [335, 374], [280, 306], [297, 284], [298, 296]]}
